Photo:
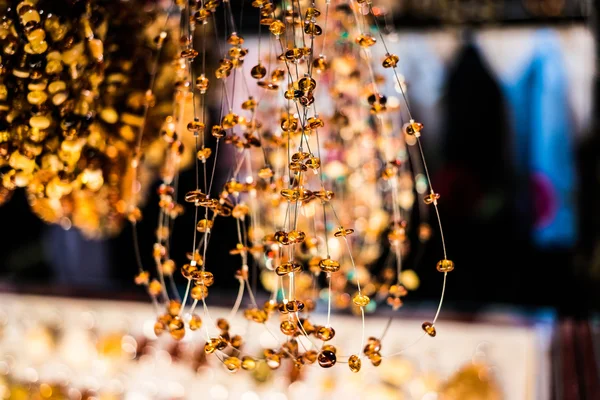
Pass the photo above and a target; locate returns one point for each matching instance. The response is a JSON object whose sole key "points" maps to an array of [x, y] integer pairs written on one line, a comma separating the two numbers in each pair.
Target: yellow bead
{"points": [[445, 266], [324, 195], [177, 328], [390, 61], [429, 329], [222, 324], [196, 127], [204, 154], [212, 345], [324, 333], [431, 198], [342, 232], [204, 278], [217, 131], [229, 121], [329, 265], [327, 359], [235, 39], [258, 71], [168, 267], [373, 346], [265, 173], [154, 288], [248, 363], [267, 85], [320, 64], [199, 292], [204, 225], [233, 364], [354, 363], [174, 307], [361, 300], [288, 268], [366, 40], [273, 361], [288, 328], [312, 29], [249, 104], [188, 54], [142, 278], [307, 84], [376, 359], [236, 341], [413, 128], [277, 28], [195, 322], [256, 315], [202, 83], [159, 328], [310, 357], [277, 75]]}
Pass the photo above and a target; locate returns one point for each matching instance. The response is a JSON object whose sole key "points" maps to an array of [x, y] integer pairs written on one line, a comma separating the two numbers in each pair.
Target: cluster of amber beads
{"points": [[70, 111], [373, 351]]}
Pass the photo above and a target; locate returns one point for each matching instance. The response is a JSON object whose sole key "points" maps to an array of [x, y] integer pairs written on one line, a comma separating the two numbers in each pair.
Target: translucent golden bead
{"points": [[445, 266], [174, 307], [315, 123], [212, 345], [320, 64], [159, 328], [236, 341], [431, 198], [313, 163], [217, 131], [413, 128], [429, 329], [324, 195], [390, 61], [268, 85], [310, 356], [273, 361], [277, 28], [288, 268], [366, 40], [325, 333], [296, 236], [195, 127], [205, 278], [202, 15], [248, 363], [154, 288], [204, 154], [195, 322], [293, 55], [177, 328], [290, 194], [373, 346], [235, 39], [376, 359], [354, 363], [258, 71], [256, 315], [288, 328], [188, 54], [329, 265], [311, 13], [265, 173], [249, 104], [237, 53], [187, 270], [298, 167], [294, 306], [142, 278], [233, 364], [307, 84], [312, 29], [230, 120], [397, 290], [199, 292], [222, 73], [204, 225], [361, 300], [222, 324], [343, 232], [397, 236], [277, 75], [202, 83], [327, 359]]}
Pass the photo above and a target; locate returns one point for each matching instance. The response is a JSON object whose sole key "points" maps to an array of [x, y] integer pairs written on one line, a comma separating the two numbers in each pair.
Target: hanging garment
{"points": [[544, 158]]}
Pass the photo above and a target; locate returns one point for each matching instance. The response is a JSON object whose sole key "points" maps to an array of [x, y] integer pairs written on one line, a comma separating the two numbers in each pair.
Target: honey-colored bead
{"points": [[142, 278], [174, 307], [376, 359], [177, 328], [256, 315], [168, 267], [288, 268], [154, 288], [265, 173], [310, 356], [229, 121], [202, 83], [307, 84], [187, 270], [204, 225], [315, 123], [390, 61], [268, 85], [222, 324], [277, 28], [366, 40], [328, 265], [212, 345], [320, 64], [313, 163], [195, 322], [233, 364], [325, 333], [373, 346], [235, 39], [343, 232], [431, 198], [327, 359], [188, 54], [258, 71], [199, 292], [288, 328], [196, 127], [240, 211], [248, 363], [354, 363], [429, 328], [159, 328], [324, 195], [397, 290], [205, 278], [204, 154], [217, 132], [249, 104], [361, 300], [311, 13], [445, 265], [413, 128], [312, 29], [294, 306], [277, 75]]}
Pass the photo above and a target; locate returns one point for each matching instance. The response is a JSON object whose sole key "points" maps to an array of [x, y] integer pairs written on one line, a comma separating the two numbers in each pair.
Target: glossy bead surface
{"points": [[429, 328], [248, 363], [390, 61], [325, 333], [327, 359], [233, 364], [445, 265], [329, 265], [354, 363], [361, 300], [431, 198], [195, 322]]}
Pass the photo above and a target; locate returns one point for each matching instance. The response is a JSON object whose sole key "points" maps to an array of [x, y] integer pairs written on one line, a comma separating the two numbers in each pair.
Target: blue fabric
{"points": [[544, 156]]}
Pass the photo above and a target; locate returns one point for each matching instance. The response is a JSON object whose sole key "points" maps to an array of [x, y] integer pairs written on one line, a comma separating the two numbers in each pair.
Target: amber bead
{"points": [[277, 28], [233, 364], [142, 278], [413, 128], [431, 198], [256, 315], [429, 328], [204, 225], [354, 363], [277, 75], [312, 29], [273, 361], [187, 270], [212, 345], [327, 359], [329, 265], [154, 288], [229, 121], [248, 363], [240, 211], [343, 232], [373, 346], [168, 267], [376, 359], [325, 333], [195, 322], [202, 83], [445, 265], [361, 300], [258, 71], [288, 328], [217, 131], [204, 154], [320, 64], [307, 84], [296, 236], [268, 85], [249, 104], [199, 292], [366, 40], [315, 123], [177, 328], [397, 290], [159, 328], [324, 195], [288, 268], [174, 307], [188, 54], [390, 61], [222, 324], [265, 173], [294, 306]]}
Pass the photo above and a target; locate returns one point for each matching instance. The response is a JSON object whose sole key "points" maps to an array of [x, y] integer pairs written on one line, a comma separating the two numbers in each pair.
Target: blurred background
{"points": [[507, 91]]}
